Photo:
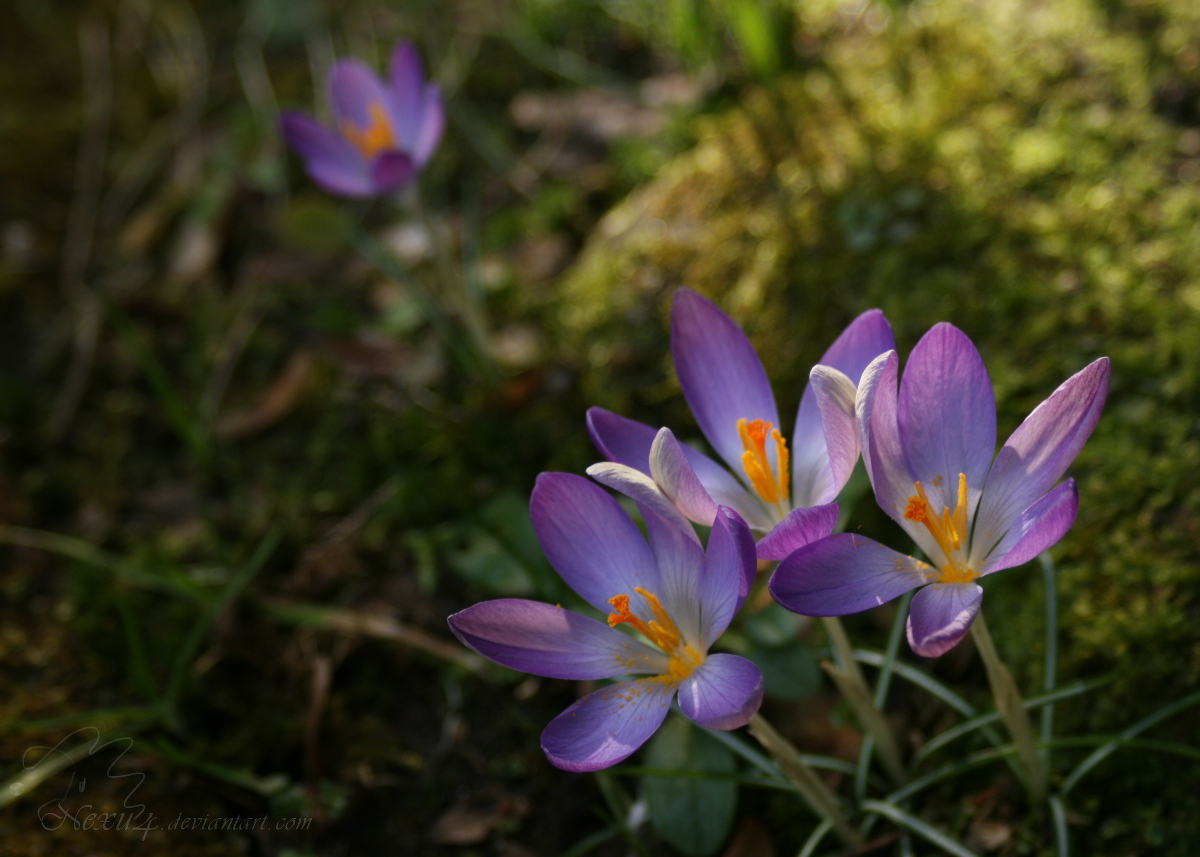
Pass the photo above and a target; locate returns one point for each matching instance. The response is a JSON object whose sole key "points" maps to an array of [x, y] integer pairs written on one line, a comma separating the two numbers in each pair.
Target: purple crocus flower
{"points": [[786, 493], [678, 597], [929, 453], [385, 130]]}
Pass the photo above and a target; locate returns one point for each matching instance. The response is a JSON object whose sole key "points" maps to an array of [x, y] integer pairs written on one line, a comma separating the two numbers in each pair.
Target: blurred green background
{"points": [[244, 481]]}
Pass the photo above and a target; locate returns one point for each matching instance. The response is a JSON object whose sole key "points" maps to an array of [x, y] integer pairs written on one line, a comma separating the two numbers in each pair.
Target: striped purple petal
{"points": [[593, 545], [835, 394], [642, 490], [801, 527], [406, 99], [673, 473], [549, 641], [940, 615], [723, 693], [1038, 528], [1039, 452], [844, 574], [946, 414], [862, 341], [432, 125], [607, 726], [730, 566], [722, 378]]}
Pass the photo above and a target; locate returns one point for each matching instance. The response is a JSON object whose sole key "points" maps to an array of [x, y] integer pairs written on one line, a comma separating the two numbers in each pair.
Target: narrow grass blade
{"points": [[920, 679], [955, 732], [920, 828], [1058, 815], [810, 845], [1136, 729], [1050, 668], [591, 843]]}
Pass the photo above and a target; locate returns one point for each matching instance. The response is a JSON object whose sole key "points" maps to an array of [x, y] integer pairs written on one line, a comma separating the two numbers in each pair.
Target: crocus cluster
{"points": [[787, 494], [384, 131], [928, 445]]}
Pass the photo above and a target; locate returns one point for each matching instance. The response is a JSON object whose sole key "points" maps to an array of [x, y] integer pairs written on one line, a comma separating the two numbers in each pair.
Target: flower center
{"points": [[772, 487], [949, 530], [660, 630], [375, 138]]}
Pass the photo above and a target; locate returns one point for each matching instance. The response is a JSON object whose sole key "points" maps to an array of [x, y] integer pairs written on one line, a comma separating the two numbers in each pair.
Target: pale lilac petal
{"points": [[722, 378], [391, 170], [432, 125], [801, 527], [730, 566], [862, 341], [947, 416], [407, 95], [879, 436], [607, 726], [673, 473], [723, 693], [835, 395], [1038, 528], [593, 545], [549, 641], [354, 91], [680, 560], [940, 616], [629, 442], [330, 160], [642, 490], [1039, 451], [844, 574]]}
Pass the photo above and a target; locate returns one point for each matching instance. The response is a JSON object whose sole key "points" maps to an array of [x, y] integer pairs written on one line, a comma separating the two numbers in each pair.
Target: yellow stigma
{"points": [[949, 530], [375, 138], [660, 630], [771, 487]]}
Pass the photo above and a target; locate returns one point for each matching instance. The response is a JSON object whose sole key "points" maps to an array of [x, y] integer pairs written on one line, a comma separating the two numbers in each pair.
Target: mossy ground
{"points": [[1028, 171]]}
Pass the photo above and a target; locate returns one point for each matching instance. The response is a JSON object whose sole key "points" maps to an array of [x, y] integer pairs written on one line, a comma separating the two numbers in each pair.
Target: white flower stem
{"points": [[1012, 710], [822, 799], [853, 687]]}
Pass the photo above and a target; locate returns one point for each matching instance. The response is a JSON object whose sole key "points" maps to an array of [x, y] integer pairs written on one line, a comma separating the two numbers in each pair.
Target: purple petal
{"points": [[629, 442], [835, 396], [1040, 450], [730, 566], [940, 615], [1037, 529], [844, 574], [331, 161], [595, 547], [674, 475], [947, 416], [722, 378], [407, 95], [391, 170], [801, 527], [432, 125], [723, 693], [879, 435], [862, 341], [679, 559], [607, 726], [549, 641], [642, 490], [354, 91]]}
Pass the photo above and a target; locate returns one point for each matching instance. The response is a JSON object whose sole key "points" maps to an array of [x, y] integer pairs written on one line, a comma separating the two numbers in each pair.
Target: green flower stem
{"points": [[1012, 710], [853, 687], [812, 787]]}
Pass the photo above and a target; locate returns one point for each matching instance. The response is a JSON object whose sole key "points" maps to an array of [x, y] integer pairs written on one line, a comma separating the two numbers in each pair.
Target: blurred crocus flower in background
{"points": [[929, 453], [385, 131], [785, 493], [677, 596]]}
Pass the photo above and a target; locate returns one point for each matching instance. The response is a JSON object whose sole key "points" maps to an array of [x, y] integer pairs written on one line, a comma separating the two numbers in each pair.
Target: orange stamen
{"points": [[772, 487], [660, 630], [375, 138], [949, 529]]}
